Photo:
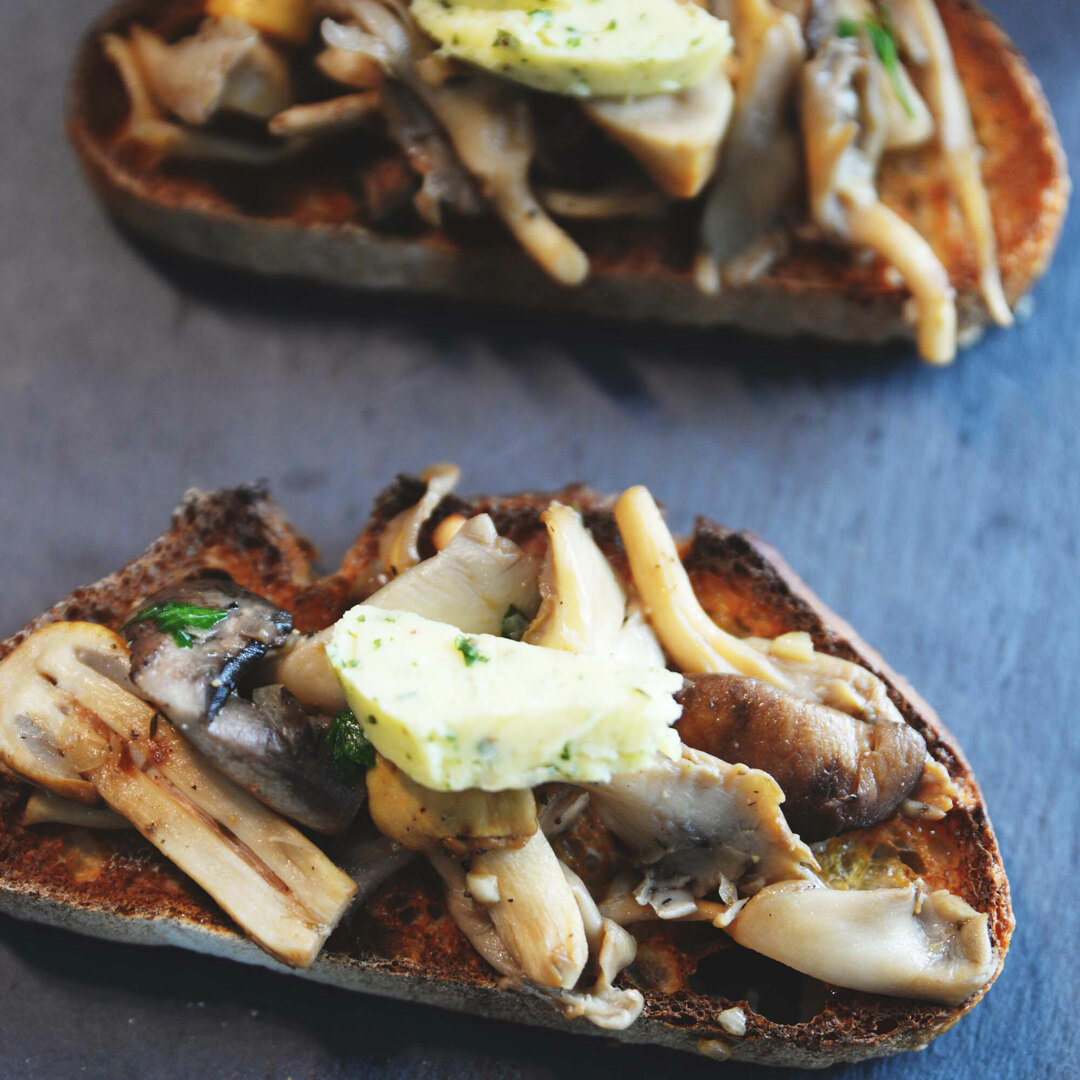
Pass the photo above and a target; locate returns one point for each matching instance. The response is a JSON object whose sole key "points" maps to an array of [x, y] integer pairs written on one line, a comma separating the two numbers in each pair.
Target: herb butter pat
{"points": [[584, 48], [458, 711]]}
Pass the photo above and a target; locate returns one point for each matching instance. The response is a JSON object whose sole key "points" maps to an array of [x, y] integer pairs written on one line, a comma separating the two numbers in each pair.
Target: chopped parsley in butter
{"points": [[583, 48], [456, 711]]}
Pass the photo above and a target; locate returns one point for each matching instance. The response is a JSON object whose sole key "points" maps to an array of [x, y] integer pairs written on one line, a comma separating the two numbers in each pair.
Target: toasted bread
{"points": [[300, 220], [403, 944]]}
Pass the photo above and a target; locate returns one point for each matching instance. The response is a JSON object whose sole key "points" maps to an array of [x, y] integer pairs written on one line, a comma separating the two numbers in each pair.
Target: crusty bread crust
{"points": [[404, 945], [303, 222]]}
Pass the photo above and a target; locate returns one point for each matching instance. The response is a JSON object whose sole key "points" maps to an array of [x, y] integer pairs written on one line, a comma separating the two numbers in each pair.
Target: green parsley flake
{"points": [[469, 651], [883, 38], [349, 746], [177, 619]]}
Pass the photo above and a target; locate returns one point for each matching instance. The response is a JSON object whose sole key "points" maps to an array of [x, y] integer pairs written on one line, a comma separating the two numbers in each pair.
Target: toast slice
{"points": [[403, 944], [301, 219]]}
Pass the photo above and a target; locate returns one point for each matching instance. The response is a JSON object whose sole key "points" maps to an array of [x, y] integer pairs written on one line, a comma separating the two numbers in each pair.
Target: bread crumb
{"points": [[716, 1049], [733, 1021]]}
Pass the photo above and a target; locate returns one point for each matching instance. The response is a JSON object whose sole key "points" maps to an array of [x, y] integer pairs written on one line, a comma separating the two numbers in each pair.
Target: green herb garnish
{"points": [[505, 40], [469, 651], [883, 38], [178, 619], [514, 624], [349, 746]]}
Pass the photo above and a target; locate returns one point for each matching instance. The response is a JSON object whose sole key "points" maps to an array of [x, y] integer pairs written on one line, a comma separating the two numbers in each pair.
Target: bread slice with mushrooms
{"points": [[701, 991], [290, 205]]}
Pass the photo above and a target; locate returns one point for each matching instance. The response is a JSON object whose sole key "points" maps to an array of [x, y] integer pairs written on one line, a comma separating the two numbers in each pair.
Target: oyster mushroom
{"points": [[960, 148], [512, 870], [902, 942], [837, 773], [325, 117], [697, 645], [845, 130], [473, 583], [268, 744], [398, 542], [226, 66], [700, 826], [757, 180], [585, 607], [676, 137]]}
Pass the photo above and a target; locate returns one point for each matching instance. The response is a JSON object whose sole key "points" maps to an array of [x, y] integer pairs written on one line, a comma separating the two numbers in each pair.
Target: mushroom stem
{"points": [[691, 638], [536, 915]]}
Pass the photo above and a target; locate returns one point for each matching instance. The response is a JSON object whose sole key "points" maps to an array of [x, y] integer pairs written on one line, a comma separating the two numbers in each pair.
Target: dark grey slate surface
{"points": [[938, 510]]}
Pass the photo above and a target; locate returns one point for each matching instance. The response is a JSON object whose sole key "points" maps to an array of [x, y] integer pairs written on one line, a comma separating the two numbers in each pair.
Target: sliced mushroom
{"points": [[45, 808], [191, 681], [487, 120], [905, 119], [302, 668], [147, 125], [267, 744], [837, 773], [359, 71], [902, 942], [371, 859], [676, 137], [68, 683], [844, 128], [444, 182], [585, 607], [472, 919], [603, 1005], [279, 752]]}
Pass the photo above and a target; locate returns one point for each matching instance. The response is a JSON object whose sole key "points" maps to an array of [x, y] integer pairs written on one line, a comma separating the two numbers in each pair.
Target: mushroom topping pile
{"points": [[771, 119], [95, 741], [221, 728]]}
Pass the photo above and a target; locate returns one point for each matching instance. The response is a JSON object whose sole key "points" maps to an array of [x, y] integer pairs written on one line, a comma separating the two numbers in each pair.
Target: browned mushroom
{"points": [[836, 772], [194, 647]]}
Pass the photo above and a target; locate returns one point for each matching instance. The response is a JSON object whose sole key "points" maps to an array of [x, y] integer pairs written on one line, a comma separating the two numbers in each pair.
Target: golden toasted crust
{"points": [[300, 220], [404, 944]]}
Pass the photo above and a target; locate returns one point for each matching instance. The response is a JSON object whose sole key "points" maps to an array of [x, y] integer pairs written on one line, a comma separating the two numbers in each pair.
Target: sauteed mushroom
{"points": [[194, 673], [836, 772]]}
